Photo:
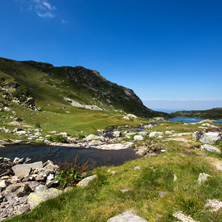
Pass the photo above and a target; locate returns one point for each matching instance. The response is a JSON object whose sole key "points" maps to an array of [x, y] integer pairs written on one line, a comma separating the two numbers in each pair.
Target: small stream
{"points": [[95, 157]]}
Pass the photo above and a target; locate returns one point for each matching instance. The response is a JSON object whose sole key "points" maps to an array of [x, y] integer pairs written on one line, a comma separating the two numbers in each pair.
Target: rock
{"points": [[41, 188], [128, 135], [127, 216], [113, 172], [67, 189], [168, 132], [23, 190], [138, 137], [91, 137], [23, 209], [210, 137], [143, 133], [85, 182], [210, 148], [21, 133], [202, 178], [181, 134], [37, 197], [196, 135], [18, 160], [125, 190], [23, 170], [156, 134], [174, 177], [141, 150], [117, 146], [49, 181], [206, 121], [137, 168], [3, 184], [183, 217], [215, 204], [149, 126], [116, 133], [159, 118]]}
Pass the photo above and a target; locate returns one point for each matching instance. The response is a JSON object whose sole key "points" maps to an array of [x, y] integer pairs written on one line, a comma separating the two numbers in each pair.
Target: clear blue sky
{"points": [[162, 49]]}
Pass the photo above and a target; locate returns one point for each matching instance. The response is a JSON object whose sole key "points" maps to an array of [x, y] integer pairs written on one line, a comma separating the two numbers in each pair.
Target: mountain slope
{"points": [[48, 86]]}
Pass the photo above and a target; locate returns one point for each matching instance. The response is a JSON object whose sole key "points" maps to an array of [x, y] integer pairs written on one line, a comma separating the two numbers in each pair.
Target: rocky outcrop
{"points": [[18, 94], [21, 185], [76, 104]]}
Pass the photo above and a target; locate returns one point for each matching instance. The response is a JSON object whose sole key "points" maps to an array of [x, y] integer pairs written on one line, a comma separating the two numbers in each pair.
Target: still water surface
{"points": [[95, 157], [191, 120]]}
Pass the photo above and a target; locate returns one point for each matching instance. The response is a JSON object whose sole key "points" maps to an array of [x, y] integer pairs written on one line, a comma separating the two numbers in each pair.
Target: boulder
{"points": [[39, 196], [127, 216], [210, 137], [116, 133], [85, 182], [23, 170], [210, 148], [138, 137], [156, 134], [18, 160], [196, 135], [143, 133], [91, 137], [149, 126]]}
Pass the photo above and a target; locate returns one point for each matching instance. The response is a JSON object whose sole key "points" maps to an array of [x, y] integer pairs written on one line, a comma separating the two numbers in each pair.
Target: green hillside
{"points": [[49, 85]]}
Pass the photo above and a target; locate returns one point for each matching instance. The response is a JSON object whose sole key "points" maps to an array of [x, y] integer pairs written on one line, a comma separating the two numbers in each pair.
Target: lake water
{"points": [[95, 157], [191, 120]]}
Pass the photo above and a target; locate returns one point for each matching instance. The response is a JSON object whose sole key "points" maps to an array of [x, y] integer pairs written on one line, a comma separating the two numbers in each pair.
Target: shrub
{"points": [[70, 174], [58, 139]]}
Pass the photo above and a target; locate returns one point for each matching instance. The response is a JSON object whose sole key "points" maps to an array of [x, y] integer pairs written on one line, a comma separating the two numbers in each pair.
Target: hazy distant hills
{"points": [[215, 113]]}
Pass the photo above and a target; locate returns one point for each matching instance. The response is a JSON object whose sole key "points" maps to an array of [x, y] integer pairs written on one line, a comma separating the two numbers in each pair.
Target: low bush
{"points": [[70, 174]]}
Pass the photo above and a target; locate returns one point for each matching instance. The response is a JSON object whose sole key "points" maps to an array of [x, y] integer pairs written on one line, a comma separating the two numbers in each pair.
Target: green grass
{"points": [[103, 198]]}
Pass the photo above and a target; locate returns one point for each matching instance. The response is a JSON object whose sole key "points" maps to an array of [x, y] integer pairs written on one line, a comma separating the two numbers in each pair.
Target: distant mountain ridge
{"points": [[215, 113], [41, 84]]}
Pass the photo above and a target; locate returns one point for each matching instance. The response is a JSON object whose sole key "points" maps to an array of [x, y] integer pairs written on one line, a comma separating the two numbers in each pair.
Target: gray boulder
{"points": [[127, 216], [210, 137], [210, 148], [196, 135], [23, 170], [138, 137], [156, 134], [37, 197], [85, 182]]}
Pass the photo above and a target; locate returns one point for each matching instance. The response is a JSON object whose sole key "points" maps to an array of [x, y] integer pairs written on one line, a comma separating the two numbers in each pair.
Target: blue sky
{"points": [[165, 50]]}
